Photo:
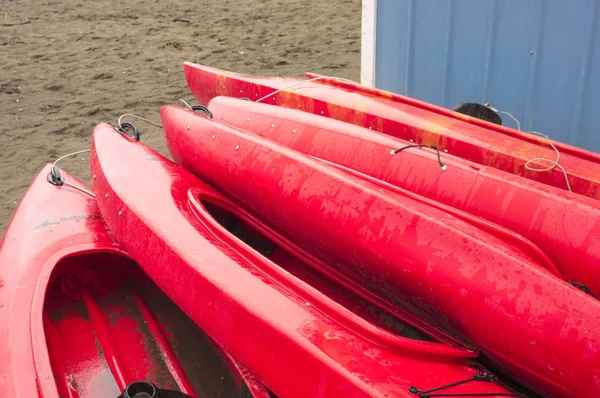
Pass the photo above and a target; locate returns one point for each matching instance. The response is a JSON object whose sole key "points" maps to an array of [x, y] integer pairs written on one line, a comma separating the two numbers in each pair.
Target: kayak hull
{"points": [[442, 269], [507, 152], [80, 318], [562, 224], [275, 315]]}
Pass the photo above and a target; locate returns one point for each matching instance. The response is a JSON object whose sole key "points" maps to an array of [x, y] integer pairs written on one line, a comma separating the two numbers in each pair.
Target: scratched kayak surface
{"points": [[258, 294], [564, 225], [79, 318], [416, 257], [504, 149]]}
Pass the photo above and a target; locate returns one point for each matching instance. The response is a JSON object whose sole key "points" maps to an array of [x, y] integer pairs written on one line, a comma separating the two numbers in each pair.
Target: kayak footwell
{"points": [[108, 325]]}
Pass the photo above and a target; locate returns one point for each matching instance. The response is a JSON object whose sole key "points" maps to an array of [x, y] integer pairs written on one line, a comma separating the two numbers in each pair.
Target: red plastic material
{"points": [[297, 331], [564, 225], [78, 318], [388, 95], [531, 324], [503, 149]]}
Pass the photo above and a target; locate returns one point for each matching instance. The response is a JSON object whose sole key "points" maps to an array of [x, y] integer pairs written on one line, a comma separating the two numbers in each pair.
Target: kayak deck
{"points": [[510, 152], [305, 325], [299, 269]]}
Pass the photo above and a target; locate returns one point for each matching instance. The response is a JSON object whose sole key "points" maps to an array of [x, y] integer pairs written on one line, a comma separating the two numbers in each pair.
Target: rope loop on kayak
{"points": [[128, 130], [57, 179], [507, 114], [552, 163], [439, 159], [195, 108], [304, 82], [479, 376], [133, 132], [203, 109], [583, 288], [186, 104]]}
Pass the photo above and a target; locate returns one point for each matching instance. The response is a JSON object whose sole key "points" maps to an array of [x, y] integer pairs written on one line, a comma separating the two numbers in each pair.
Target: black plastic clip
{"points": [[128, 130], [55, 178], [145, 389], [202, 109], [583, 288]]}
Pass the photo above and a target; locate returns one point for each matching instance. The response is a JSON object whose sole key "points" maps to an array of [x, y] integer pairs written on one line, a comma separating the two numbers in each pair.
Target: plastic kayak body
{"points": [[415, 256], [352, 86], [564, 225], [297, 331], [78, 318], [503, 149]]}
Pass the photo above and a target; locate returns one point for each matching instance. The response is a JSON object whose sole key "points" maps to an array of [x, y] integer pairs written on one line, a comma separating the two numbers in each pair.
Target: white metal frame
{"points": [[368, 42]]}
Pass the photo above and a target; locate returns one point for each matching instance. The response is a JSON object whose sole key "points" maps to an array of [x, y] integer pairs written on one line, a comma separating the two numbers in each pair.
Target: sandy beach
{"points": [[68, 64]]}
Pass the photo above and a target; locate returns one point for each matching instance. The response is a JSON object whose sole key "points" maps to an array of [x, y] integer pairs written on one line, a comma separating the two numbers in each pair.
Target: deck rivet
{"points": [[322, 113], [237, 147], [189, 127], [308, 304], [299, 106], [445, 150], [273, 98], [370, 128], [240, 91], [106, 196], [272, 125], [120, 212], [411, 140], [94, 176], [223, 86], [294, 131], [248, 119], [212, 138]]}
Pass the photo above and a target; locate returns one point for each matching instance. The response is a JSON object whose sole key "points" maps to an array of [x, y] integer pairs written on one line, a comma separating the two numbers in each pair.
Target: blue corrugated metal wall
{"points": [[537, 59]]}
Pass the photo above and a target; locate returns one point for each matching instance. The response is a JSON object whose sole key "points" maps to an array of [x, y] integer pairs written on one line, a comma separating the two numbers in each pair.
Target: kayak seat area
{"points": [[108, 325]]}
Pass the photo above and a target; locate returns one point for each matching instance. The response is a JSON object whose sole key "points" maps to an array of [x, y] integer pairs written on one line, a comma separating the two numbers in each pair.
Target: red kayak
{"points": [[414, 256], [506, 149], [564, 225], [79, 318], [255, 293]]}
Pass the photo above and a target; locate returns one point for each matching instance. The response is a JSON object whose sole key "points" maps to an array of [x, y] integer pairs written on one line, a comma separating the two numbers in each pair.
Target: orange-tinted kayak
{"points": [[504, 149]]}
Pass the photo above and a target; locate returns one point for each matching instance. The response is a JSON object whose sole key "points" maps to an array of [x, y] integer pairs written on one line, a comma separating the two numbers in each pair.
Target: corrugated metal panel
{"points": [[537, 59]]}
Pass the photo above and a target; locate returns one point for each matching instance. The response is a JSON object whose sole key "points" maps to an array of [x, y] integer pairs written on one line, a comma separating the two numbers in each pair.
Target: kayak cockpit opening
{"points": [[299, 269], [107, 325]]}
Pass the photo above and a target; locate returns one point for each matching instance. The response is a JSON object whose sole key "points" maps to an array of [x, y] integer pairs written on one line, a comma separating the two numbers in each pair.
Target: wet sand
{"points": [[68, 64]]}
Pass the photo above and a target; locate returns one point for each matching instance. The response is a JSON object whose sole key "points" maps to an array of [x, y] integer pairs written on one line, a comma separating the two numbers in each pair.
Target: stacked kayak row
{"points": [[410, 255], [469, 138], [286, 253], [235, 266], [565, 226]]}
